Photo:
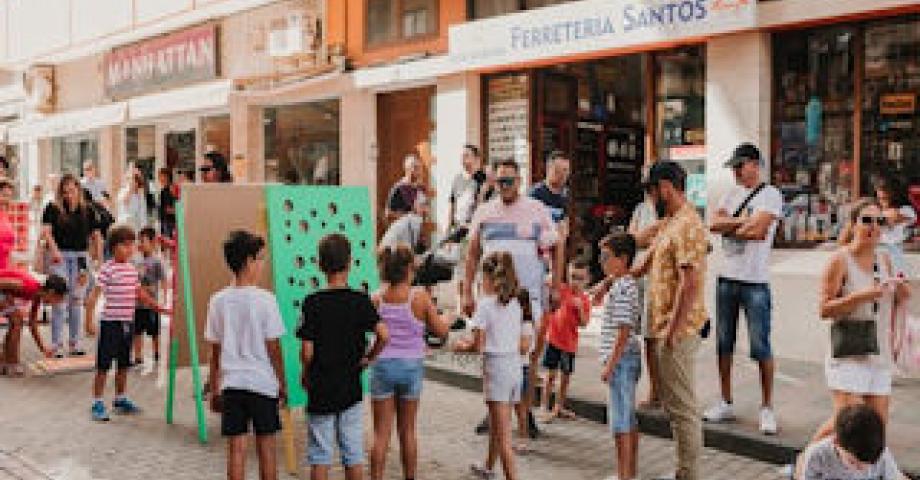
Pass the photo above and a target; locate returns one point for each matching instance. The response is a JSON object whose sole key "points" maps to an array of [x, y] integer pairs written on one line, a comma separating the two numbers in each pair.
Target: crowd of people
{"points": [[525, 288]]}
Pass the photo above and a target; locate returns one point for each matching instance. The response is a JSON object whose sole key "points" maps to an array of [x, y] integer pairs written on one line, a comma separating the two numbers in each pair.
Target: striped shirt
{"points": [[621, 308], [119, 283]]}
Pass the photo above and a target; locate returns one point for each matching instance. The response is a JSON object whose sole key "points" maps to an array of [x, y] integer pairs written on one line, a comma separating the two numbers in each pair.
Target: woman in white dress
{"points": [[860, 285], [132, 203]]}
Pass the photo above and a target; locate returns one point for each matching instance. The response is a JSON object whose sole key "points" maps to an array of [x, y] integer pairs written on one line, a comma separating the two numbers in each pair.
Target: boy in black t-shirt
{"points": [[336, 321]]}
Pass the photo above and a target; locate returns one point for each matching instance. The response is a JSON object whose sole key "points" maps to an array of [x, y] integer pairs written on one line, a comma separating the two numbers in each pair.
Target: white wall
{"points": [[36, 27], [358, 136], [151, 10], [458, 116], [95, 18]]}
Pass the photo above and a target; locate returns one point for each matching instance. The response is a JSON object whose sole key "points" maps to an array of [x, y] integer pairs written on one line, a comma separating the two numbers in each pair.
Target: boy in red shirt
{"points": [[17, 287], [561, 335]]}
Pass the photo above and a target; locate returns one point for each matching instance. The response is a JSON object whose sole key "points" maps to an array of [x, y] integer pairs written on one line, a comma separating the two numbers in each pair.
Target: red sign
{"points": [[169, 61]]}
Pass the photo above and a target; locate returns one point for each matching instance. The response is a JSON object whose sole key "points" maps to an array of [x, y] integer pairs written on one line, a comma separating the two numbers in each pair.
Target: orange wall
{"points": [[345, 23]]}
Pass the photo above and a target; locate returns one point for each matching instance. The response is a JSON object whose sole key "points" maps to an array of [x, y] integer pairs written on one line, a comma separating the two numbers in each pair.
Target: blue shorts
{"points": [[754, 298], [344, 429], [621, 406], [556, 359], [399, 377]]}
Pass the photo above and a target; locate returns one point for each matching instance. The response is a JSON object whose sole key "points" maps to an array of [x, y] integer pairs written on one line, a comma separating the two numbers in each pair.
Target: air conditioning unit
{"points": [[287, 36]]}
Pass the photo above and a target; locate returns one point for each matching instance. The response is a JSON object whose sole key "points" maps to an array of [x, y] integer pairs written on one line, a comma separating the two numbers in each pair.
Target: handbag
{"points": [[854, 338]]}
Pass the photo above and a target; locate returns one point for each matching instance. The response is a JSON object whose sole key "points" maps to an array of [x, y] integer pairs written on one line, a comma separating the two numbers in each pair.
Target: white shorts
{"points": [[502, 377], [860, 377]]}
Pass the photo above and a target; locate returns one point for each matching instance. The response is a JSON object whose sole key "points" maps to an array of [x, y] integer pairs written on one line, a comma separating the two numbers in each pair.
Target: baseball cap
{"points": [[746, 152], [666, 170]]}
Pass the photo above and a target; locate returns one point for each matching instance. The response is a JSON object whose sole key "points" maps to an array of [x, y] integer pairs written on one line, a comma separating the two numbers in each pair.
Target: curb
{"points": [[655, 423]]}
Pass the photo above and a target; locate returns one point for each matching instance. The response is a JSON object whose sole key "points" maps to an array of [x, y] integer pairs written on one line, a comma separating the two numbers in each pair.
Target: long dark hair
{"points": [[895, 188], [220, 164]]}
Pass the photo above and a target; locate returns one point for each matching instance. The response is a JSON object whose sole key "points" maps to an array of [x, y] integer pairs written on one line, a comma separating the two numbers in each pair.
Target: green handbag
{"points": [[854, 338]]}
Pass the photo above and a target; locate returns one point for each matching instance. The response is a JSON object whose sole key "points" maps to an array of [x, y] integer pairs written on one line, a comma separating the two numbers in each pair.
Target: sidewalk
{"points": [[801, 397]]}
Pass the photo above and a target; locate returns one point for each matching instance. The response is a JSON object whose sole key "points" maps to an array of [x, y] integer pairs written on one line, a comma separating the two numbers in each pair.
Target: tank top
{"points": [[857, 279], [407, 338]]}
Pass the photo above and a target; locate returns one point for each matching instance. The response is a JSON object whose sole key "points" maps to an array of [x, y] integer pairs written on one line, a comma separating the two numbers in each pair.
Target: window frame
{"points": [[400, 38]]}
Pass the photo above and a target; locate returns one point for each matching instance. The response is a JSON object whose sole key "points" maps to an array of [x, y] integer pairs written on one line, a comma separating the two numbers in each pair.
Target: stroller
{"points": [[436, 266]]}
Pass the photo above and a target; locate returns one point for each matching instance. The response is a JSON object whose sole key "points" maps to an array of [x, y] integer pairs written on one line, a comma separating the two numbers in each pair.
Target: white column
{"points": [[458, 123], [738, 90], [358, 141]]}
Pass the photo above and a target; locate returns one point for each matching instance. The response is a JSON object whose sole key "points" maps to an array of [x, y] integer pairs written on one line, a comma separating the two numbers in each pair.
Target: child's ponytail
{"points": [[499, 267]]}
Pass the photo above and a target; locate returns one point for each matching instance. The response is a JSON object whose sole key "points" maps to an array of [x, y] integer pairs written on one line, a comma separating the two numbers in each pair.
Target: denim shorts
{"points": [[733, 296], [344, 429], [621, 406], [399, 377]]}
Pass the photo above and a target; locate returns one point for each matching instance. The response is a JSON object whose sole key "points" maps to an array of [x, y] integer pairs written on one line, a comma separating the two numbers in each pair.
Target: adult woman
{"points": [[396, 377], [69, 228], [167, 207], [892, 198], [132, 203], [859, 285], [214, 169]]}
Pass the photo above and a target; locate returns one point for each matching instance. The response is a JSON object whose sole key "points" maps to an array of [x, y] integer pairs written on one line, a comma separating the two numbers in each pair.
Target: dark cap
{"points": [[667, 170], [746, 152]]}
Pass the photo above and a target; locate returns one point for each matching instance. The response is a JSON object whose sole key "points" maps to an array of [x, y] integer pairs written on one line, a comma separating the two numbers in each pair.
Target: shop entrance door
{"points": [[403, 127], [180, 151]]}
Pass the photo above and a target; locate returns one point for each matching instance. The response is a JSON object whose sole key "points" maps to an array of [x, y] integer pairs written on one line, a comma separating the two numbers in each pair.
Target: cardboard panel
{"points": [[212, 211], [298, 218]]}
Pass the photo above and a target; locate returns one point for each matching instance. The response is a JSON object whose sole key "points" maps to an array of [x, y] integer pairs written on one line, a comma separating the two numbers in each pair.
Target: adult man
{"points": [[402, 196], [746, 219], [553, 193], [676, 266], [521, 226], [464, 190], [95, 185]]}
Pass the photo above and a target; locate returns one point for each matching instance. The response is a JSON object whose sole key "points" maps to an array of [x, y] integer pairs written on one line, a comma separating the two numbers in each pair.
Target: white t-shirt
{"points": [[502, 324], [96, 187], [405, 230], [746, 260], [822, 462], [897, 234], [241, 320]]}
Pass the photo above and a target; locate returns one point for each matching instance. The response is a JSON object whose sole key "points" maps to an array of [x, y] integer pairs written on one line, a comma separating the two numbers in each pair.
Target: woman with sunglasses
{"points": [[860, 285], [215, 169]]}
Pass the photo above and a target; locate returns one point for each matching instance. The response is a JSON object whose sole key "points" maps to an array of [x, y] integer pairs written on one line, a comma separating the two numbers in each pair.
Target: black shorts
{"points": [[556, 359], [242, 407], [115, 339], [146, 322]]}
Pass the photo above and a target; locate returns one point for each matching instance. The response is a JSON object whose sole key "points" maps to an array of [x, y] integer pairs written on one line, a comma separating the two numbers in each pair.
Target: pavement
{"points": [[47, 434]]}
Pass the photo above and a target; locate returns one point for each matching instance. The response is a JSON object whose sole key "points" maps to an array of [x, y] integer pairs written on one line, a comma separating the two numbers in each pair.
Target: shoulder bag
{"points": [[856, 337]]}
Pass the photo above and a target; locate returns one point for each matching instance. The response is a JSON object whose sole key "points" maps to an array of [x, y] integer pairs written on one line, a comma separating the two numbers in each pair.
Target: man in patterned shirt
{"points": [[676, 267]]}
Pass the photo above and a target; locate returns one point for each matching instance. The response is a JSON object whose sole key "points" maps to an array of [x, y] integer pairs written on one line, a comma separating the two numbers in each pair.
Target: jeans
{"points": [[621, 406], [70, 310], [345, 429], [678, 395], [731, 297]]}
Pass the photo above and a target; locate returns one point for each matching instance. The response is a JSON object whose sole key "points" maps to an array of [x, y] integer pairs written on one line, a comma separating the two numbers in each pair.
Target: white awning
{"points": [[404, 75], [69, 123], [205, 96]]}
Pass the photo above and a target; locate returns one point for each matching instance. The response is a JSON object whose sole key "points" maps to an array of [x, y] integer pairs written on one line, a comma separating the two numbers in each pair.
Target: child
{"points": [[117, 280], [620, 348], [19, 286], [561, 335], [522, 447], [336, 321], [857, 452], [153, 279], [498, 332], [247, 375]]}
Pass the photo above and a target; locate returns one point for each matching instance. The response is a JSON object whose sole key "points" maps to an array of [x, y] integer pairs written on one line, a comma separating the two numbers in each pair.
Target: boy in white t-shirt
{"points": [[247, 374], [746, 219]]}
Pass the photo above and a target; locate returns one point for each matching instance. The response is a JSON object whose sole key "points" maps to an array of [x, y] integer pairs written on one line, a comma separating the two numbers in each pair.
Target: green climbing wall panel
{"points": [[298, 217]]}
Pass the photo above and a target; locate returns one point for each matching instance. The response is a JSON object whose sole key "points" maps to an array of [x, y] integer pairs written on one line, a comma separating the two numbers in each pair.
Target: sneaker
{"points": [[98, 412], [483, 427], [721, 412], [767, 421], [58, 353], [77, 352], [532, 430], [480, 471], [124, 406]]}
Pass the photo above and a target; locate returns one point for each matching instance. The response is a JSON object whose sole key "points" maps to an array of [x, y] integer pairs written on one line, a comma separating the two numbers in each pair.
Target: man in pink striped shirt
{"points": [[118, 281]]}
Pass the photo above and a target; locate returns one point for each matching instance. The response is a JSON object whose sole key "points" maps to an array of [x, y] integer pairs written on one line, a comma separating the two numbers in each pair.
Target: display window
{"points": [[302, 143], [390, 21], [140, 149], [68, 154]]}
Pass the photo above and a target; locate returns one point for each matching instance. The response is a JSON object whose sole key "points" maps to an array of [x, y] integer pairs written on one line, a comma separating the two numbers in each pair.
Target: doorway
{"points": [[180, 151]]}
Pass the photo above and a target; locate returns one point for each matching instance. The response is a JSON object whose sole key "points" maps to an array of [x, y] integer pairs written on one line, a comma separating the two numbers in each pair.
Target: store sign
{"points": [[508, 136], [593, 25], [898, 104], [165, 62]]}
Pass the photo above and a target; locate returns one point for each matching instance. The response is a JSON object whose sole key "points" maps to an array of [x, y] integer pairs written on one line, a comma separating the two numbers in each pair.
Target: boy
{"points": [[118, 281], [561, 335], [336, 321], [620, 348], [857, 452], [247, 374], [19, 286], [153, 279]]}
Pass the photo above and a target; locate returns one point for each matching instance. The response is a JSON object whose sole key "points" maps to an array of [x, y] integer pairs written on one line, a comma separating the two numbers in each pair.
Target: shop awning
{"points": [[399, 75], [205, 96], [69, 123]]}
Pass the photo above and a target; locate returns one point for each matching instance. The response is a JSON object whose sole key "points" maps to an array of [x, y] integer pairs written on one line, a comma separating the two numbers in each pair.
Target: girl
{"points": [[498, 332], [396, 377], [897, 210], [859, 284]]}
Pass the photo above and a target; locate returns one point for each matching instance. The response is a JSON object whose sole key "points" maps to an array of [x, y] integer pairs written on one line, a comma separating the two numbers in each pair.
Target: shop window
{"points": [[813, 156], [68, 154], [680, 134], [302, 143], [140, 149], [395, 20], [493, 8]]}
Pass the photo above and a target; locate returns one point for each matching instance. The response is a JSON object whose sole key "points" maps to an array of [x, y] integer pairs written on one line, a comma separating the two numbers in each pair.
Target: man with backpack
{"points": [[746, 219]]}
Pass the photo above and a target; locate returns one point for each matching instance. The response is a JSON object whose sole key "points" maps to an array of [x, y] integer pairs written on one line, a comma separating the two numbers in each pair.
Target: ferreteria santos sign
{"points": [[589, 26], [169, 61]]}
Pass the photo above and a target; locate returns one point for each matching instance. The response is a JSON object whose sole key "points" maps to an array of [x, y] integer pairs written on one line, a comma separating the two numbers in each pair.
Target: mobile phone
{"points": [[81, 263]]}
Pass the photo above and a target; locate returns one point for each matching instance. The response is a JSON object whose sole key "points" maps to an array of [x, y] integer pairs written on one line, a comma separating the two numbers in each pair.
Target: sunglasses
{"points": [[506, 182], [868, 220]]}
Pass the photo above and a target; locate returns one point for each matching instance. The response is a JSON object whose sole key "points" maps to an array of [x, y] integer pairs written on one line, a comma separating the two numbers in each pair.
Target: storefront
{"points": [[70, 153], [302, 143], [844, 112]]}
